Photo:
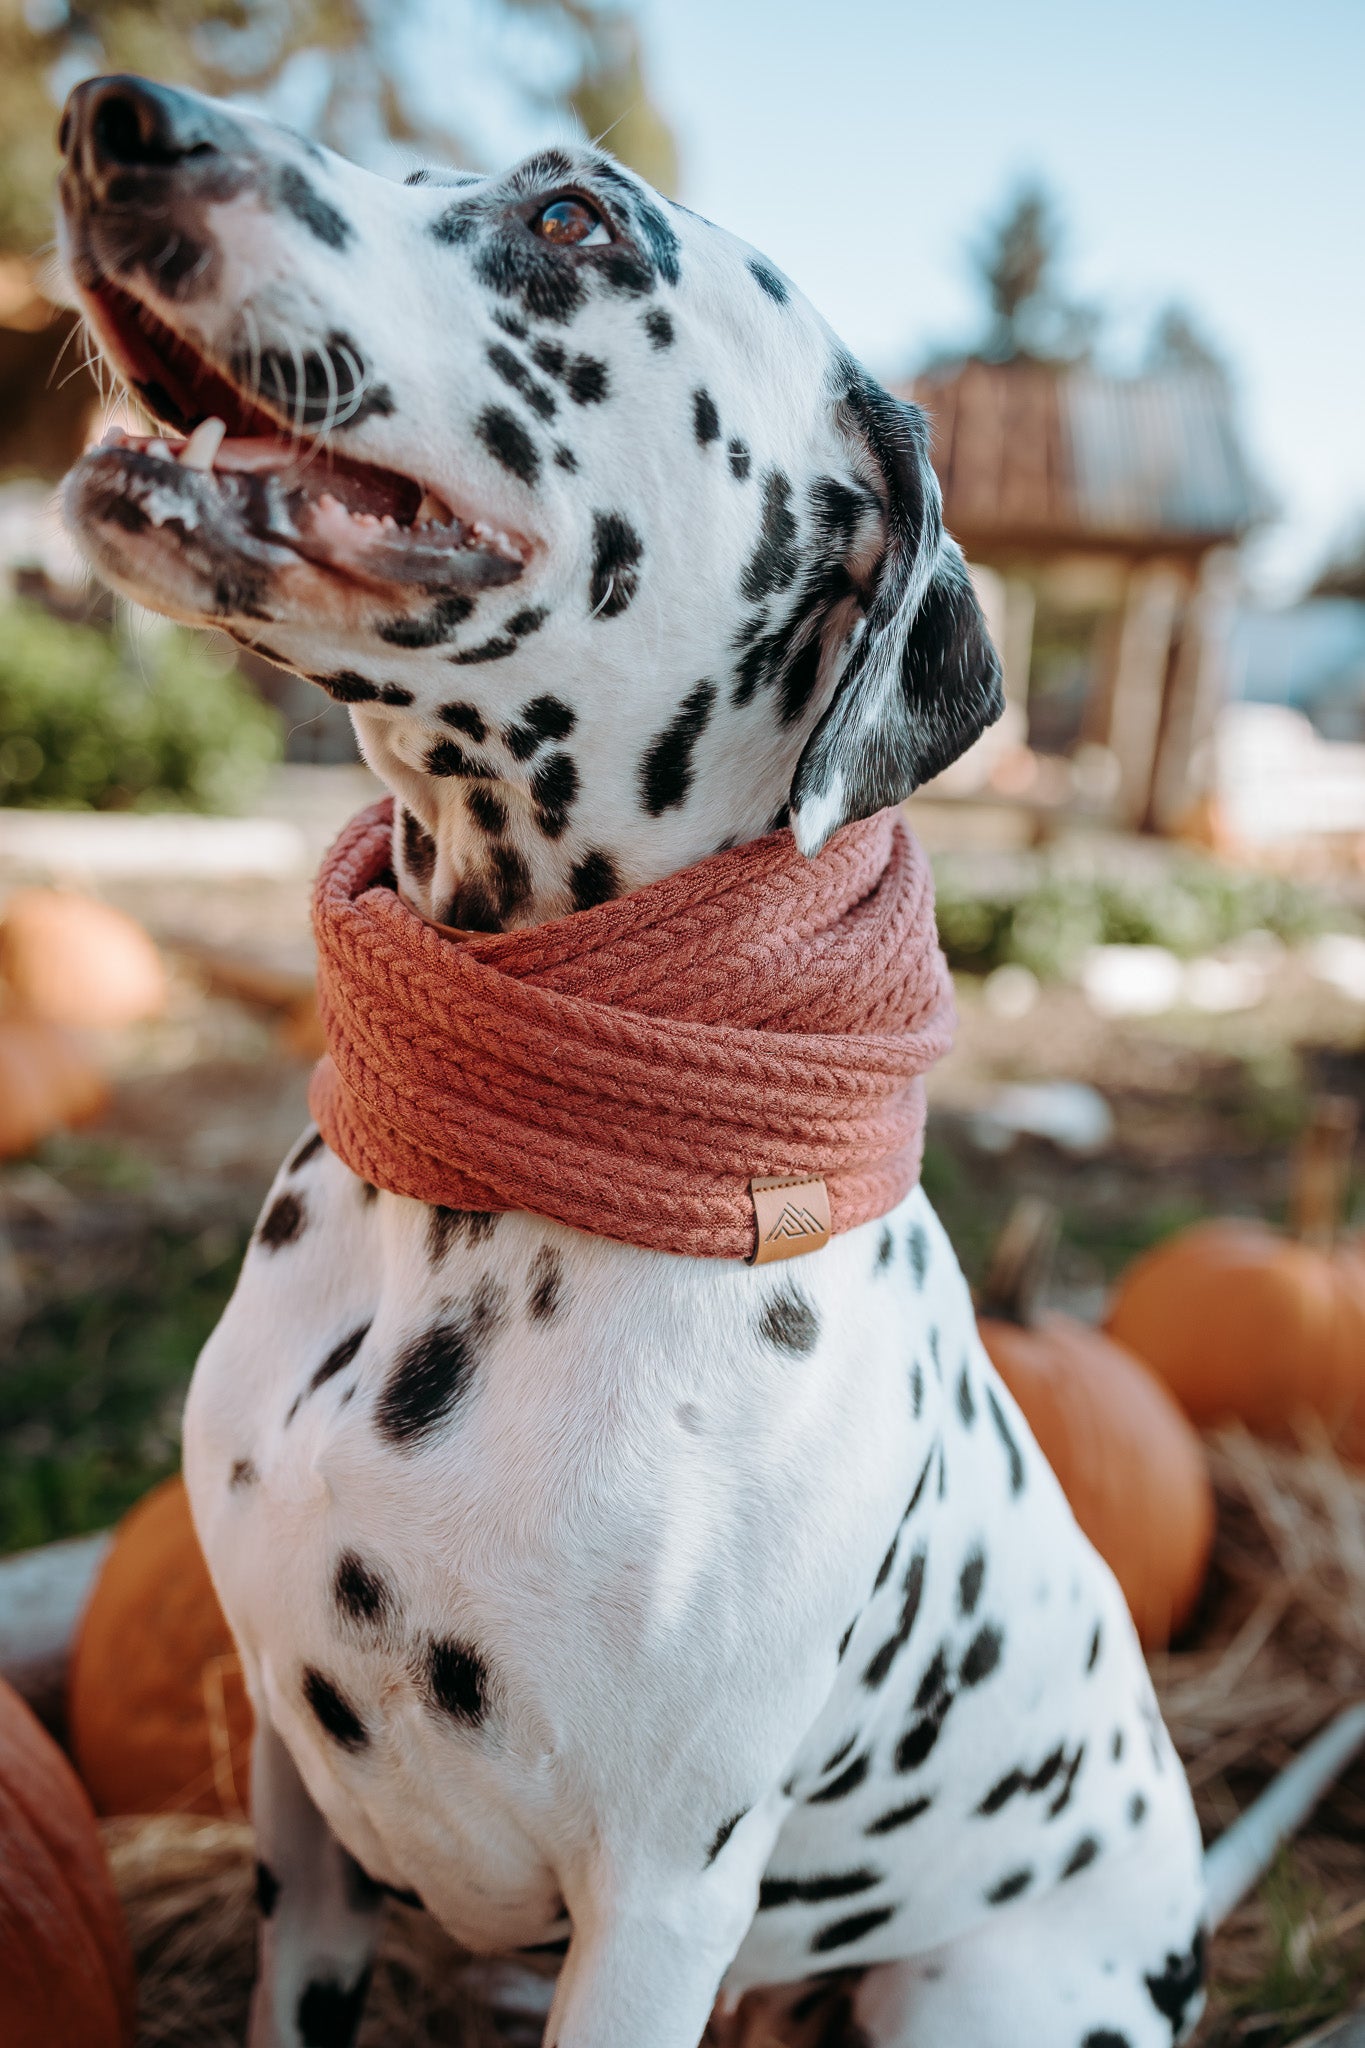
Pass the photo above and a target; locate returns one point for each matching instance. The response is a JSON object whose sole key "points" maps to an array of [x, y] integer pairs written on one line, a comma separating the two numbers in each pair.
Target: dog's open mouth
{"points": [[233, 469]]}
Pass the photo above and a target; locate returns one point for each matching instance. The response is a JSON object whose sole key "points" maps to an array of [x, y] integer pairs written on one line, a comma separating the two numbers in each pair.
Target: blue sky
{"points": [[1206, 151]]}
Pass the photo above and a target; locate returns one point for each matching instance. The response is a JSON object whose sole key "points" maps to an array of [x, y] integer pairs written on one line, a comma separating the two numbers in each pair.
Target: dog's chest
{"points": [[532, 1541]]}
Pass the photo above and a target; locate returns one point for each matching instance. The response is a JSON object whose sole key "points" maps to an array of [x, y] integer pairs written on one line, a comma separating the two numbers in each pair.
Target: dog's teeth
{"points": [[203, 444], [388, 520], [430, 509], [326, 502], [113, 437], [157, 446]]}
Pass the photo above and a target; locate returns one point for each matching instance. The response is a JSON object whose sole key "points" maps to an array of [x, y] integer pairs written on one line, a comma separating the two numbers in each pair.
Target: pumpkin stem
{"points": [[1322, 1169], [1021, 1263]]}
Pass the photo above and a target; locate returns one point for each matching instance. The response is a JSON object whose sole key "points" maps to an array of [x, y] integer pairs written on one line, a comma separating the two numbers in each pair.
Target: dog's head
{"points": [[570, 493]]}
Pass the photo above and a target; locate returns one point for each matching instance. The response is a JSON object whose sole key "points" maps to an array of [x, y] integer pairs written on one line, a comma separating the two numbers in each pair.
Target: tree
{"points": [[1016, 263], [1177, 342], [242, 46]]}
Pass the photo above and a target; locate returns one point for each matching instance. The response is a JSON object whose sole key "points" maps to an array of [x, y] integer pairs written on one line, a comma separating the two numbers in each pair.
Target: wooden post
{"points": [[1139, 684], [1198, 688]]}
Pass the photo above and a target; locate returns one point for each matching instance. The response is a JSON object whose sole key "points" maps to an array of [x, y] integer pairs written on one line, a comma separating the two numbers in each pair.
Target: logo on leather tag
{"points": [[791, 1216]]}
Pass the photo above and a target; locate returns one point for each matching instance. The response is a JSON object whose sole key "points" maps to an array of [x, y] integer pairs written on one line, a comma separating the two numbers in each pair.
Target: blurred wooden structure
{"points": [[47, 395], [1105, 512]]}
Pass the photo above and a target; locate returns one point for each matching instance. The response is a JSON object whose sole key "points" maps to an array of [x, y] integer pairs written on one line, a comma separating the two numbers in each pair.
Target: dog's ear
{"points": [[920, 677]]}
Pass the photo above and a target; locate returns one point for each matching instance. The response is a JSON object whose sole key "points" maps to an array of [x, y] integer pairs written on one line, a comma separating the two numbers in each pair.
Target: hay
{"points": [[1278, 1646]]}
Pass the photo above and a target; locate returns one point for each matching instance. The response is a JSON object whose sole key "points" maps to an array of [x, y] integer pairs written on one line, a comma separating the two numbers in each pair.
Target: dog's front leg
{"points": [[648, 1952], [319, 1913]]}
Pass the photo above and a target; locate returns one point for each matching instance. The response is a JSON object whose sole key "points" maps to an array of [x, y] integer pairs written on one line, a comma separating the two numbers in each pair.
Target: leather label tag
{"points": [[791, 1216]]}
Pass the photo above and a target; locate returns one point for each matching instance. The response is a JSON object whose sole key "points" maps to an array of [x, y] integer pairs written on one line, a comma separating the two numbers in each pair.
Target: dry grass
{"points": [[1279, 1646]]}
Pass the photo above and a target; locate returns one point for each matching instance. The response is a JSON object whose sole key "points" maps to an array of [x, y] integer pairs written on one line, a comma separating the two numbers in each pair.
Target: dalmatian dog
{"points": [[677, 1628]]}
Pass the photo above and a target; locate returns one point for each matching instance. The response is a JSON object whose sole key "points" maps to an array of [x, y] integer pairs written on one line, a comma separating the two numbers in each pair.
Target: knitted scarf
{"points": [[631, 1068]]}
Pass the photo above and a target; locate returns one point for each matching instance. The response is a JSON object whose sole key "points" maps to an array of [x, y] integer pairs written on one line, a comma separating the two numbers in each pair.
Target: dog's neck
{"points": [[487, 853]]}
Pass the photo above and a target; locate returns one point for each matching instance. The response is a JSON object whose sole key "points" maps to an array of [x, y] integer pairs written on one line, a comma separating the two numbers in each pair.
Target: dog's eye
{"points": [[571, 222]]}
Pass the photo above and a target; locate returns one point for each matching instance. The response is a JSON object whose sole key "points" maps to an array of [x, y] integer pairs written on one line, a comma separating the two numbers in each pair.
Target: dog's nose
{"points": [[111, 126]]}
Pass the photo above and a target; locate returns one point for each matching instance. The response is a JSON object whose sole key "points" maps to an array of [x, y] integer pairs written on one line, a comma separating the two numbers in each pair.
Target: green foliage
{"points": [[91, 1393], [1046, 916], [86, 725]]}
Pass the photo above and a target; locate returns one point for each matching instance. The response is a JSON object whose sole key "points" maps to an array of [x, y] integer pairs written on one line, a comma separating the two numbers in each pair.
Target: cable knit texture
{"points": [[629, 1068]]}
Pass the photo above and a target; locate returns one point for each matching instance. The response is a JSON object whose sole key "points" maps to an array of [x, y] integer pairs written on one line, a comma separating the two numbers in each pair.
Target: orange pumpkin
{"points": [[74, 960], [1246, 1323], [66, 1974], [1127, 1460], [157, 1712], [46, 1084]]}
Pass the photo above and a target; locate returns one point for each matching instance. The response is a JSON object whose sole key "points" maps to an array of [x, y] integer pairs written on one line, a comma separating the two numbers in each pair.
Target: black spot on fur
{"points": [[1009, 1887], [349, 688], [1172, 1991], [334, 1713], [446, 1227], [283, 1223], [980, 1657], [307, 204], [832, 1763], [899, 1816], [886, 1656], [884, 1568], [518, 266], [547, 1285], [488, 811], [769, 279], [508, 442], [916, 1387], [1093, 1655], [658, 327], [447, 758], [243, 1473], [431, 1375], [740, 460], [1062, 1799], [565, 457], [456, 1681], [554, 787], [917, 1244], [845, 1639], [1116, 1746], [1007, 1439], [616, 552], [339, 1357], [1106, 2037], [840, 1787], [845, 1932], [789, 1321], [1137, 1808], [528, 621], [544, 718], [472, 908], [705, 418], [496, 648], [966, 1406], [586, 380], [394, 693], [328, 2014], [438, 624], [515, 373], [969, 1583], [1085, 1852], [464, 718], [267, 1890], [594, 880], [886, 1247], [624, 272], [774, 561], [364, 1596], [666, 770], [419, 849], [511, 879], [723, 1834], [814, 1891]]}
